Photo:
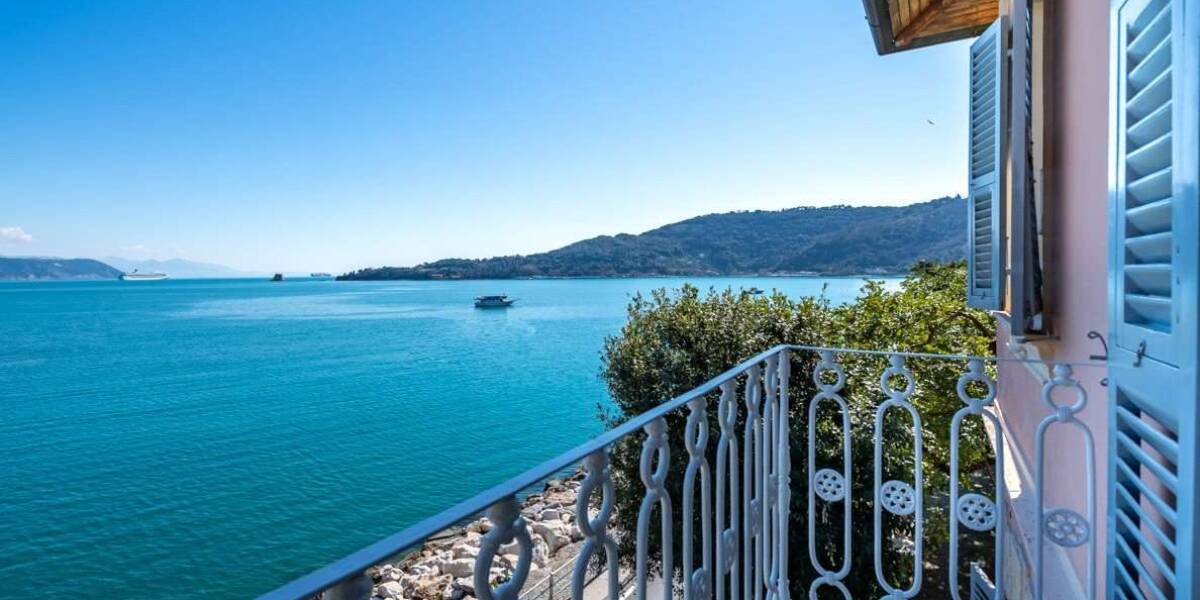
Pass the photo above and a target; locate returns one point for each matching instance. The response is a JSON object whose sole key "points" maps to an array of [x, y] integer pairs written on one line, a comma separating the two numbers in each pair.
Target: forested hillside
{"points": [[834, 240]]}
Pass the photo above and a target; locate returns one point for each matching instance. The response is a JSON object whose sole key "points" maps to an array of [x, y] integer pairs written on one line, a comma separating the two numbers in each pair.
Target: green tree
{"points": [[675, 341]]}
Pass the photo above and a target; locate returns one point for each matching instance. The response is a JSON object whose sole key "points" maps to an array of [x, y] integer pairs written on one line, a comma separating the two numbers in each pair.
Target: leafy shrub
{"points": [[674, 341]]}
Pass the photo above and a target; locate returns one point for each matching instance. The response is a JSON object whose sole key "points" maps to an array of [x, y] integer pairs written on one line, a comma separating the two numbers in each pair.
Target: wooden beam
{"points": [[920, 22]]}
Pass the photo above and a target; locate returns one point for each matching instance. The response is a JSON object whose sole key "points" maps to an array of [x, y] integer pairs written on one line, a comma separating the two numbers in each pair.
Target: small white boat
{"points": [[500, 301], [135, 275]]}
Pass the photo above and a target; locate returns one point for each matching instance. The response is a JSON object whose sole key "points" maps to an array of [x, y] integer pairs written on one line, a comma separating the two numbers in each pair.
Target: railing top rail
{"points": [[359, 561], [964, 357]]}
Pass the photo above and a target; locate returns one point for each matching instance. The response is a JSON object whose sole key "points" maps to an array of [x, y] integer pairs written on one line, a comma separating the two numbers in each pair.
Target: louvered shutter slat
{"points": [[1154, 248], [985, 182], [1152, 126], [1149, 98], [1153, 65], [1150, 188]]}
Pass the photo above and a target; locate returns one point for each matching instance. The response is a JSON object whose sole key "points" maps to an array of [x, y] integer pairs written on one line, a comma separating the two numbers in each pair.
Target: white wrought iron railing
{"points": [[735, 497]]}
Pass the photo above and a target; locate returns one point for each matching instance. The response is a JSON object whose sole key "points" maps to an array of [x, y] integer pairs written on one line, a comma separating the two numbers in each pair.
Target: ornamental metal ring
{"points": [[898, 497], [897, 370], [829, 364], [975, 374], [977, 512], [1067, 528], [829, 485]]}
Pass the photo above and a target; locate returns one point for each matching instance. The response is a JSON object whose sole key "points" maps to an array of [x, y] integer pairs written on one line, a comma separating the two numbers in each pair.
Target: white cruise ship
{"points": [[135, 275]]}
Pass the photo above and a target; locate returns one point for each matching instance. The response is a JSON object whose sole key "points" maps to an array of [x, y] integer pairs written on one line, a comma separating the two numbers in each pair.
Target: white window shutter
{"points": [[1146, 177], [985, 190], [1152, 307]]}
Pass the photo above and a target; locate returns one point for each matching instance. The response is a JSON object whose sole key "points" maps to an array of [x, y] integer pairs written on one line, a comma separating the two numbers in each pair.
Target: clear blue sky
{"points": [[298, 135]]}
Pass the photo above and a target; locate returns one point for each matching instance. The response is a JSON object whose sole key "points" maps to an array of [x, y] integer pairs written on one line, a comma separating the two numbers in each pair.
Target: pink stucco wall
{"points": [[1075, 229]]}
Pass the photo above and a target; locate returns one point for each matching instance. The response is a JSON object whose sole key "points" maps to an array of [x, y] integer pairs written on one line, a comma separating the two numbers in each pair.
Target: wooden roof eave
{"points": [[880, 23]]}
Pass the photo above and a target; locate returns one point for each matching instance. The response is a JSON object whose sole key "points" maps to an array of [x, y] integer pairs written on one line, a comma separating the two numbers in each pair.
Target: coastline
{"points": [[803, 274]]}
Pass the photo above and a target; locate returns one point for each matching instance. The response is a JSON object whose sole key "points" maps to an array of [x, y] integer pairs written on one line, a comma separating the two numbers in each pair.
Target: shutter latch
{"points": [[1141, 352], [1095, 335]]}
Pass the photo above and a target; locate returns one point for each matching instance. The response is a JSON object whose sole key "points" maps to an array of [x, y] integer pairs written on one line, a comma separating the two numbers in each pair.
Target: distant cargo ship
{"points": [[135, 275], [320, 276]]}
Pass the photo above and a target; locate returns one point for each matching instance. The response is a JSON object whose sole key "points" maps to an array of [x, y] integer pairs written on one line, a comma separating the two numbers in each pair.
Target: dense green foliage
{"points": [[675, 341], [55, 268], [828, 240]]}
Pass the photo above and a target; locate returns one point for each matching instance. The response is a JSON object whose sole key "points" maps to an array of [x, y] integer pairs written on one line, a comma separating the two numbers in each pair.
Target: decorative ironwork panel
{"points": [[902, 498], [833, 486], [1064, 526], [973, 510]]}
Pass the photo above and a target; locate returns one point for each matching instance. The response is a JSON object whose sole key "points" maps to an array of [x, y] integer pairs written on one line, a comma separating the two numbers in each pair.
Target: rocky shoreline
{"points": [[443, 568]]}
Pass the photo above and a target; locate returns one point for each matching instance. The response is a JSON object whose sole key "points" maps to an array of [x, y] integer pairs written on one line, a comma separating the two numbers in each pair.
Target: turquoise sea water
{"points": [[213, 439]]}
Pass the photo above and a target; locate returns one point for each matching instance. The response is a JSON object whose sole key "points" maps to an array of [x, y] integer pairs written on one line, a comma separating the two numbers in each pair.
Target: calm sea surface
{"points": [[189, 439]]}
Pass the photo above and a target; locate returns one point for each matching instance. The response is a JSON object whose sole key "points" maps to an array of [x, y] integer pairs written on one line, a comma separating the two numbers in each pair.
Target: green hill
{"points": [[833, 240], [55, 268]]}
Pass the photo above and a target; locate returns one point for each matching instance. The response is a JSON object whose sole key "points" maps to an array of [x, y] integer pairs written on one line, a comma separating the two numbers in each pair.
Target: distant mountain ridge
{"points": [[177, 268], [39, 268], [832, 240]]}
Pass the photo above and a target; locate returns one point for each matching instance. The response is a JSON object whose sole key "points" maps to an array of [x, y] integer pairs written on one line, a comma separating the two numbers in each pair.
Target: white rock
{"points": [[422, 569], [431, 587], [464, 551], [390, 590], [556, 533], [550, 514], [459, 567]]}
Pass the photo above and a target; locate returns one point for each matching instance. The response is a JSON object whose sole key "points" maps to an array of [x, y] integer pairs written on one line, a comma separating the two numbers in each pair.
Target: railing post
{"points": [[752, 517], [654, 477], [827, 484], [595, 529], [973, 510], [697, 583], [507, 525], [727, 495], [898, 497], [779, 577], [768, 478], [1068, 528]]}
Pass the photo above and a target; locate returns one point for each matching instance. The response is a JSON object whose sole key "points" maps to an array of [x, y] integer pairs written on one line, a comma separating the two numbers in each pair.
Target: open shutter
{"points": [[1145, 183], [1025, 263], [1153, 241], [985, 190]]}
